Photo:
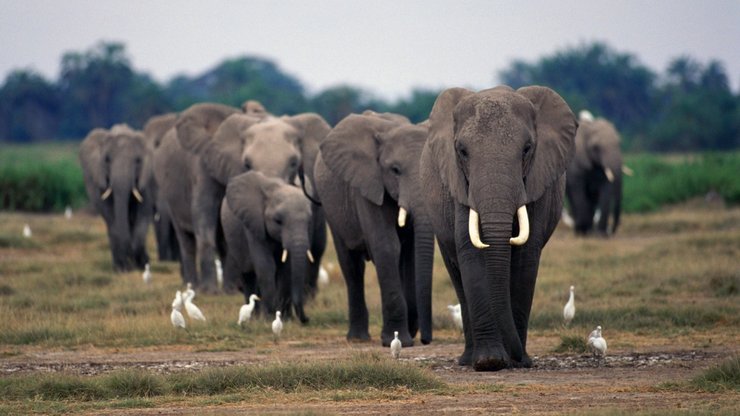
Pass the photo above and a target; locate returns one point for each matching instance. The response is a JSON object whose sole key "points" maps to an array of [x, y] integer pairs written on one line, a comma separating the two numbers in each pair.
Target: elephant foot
{"points": [[358, 335], [525, 362], [404, 336], [426, 340], [490, 358], [466, 359]]}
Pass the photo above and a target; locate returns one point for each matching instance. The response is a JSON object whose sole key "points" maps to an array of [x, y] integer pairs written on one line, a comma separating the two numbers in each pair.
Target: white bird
{"points": [[277, 326], [456, 313], [27, 231], [176, 316], [396, 346], [597, 344], [189, 292], [594, 333], [68, 212], [147, 275], [219, 273], [192, 310], [569, 311], [245, 312], [585, 115], [323, 276]]}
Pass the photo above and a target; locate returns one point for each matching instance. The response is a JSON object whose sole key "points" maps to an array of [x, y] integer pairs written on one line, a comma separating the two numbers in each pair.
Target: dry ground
{"points": [[664, 289]]}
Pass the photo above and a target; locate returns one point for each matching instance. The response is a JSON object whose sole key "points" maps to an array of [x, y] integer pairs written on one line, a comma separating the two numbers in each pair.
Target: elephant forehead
{"points": [[290, 200], [273, 129], [499, 115]]}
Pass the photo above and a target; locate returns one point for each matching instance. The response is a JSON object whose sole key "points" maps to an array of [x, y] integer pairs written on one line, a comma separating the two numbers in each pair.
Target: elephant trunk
{"points": [[423, 266], [121, 233], [617, 203], [300, 260]]}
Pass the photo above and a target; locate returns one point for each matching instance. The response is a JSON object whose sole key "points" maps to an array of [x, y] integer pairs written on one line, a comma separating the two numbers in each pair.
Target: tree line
{"points": [[688, 107]]}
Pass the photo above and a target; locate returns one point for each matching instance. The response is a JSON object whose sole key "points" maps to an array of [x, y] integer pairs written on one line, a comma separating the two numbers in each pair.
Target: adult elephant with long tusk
{"points": [[117, 169], [595, 177], [493, 169]]}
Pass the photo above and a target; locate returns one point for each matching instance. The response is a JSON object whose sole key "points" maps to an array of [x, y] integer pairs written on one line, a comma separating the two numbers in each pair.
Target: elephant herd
{"points": [[484, 175]]}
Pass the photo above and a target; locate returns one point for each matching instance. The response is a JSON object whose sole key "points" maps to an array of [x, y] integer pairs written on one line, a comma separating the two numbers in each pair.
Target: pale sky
{"points": [[387, 47]]}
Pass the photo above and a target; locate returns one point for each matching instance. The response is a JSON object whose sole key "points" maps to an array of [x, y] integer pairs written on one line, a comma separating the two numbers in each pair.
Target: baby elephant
{"points": [[267, 227]]}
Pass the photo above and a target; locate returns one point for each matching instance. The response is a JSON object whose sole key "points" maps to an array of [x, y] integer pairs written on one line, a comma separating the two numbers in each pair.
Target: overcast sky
{"points": [[387, 47]]}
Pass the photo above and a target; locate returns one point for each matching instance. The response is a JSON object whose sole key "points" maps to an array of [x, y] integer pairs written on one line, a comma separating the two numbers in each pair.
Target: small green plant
{"points": [[725, 376], [571, 343]]}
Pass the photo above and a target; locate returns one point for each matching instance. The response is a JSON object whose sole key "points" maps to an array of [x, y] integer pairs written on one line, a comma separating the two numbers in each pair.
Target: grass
{"points": [[725, 376]]}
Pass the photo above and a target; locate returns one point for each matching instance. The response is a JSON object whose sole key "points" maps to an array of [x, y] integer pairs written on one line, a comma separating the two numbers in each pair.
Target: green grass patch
{"points": [[724, 376], [571, 343]]}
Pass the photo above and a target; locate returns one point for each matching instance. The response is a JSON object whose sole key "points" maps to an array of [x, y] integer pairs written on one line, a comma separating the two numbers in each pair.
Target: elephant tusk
{"points": [[627, 171], [473, 230], [284, 257], [402, 217], [137, 195], [609, 174], [521, 215], [310, 256], [106, 193]]}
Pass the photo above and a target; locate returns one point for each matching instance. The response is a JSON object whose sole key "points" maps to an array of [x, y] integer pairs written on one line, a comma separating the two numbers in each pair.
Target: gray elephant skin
{"points": [[493, 170], [368, 167], [595, 178], [212, 143], [164, 231], [267, 224], [117, 169]]}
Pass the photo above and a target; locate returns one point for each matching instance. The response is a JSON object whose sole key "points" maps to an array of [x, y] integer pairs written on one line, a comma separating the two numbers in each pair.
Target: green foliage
{"points": [[659, 181], [571, 343], [40, 178], [725, 376]]}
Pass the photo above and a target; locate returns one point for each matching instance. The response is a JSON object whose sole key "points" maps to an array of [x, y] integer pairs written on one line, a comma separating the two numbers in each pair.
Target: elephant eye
{"points": [[527, 148], [278, 219], [293, 163], [137, 161], [247, 165], [396, 170], [462, 150], [107, 158]]}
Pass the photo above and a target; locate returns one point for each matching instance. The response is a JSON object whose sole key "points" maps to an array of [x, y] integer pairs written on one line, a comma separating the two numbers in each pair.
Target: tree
{"points": [[418, 106], [338, 102], [29, 107]]}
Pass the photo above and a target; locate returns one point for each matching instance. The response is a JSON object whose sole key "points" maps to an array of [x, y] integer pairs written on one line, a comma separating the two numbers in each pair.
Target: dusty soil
{"points": [[558, 383]]}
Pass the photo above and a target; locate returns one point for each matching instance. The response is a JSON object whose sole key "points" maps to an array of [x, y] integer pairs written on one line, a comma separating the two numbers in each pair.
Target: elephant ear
{"points": [[91, 157], [146, 175], [196, 125], [583, 135], [312, 129], [351, 152], [221, 155], [441, 142], [246, 195], [157, 126], [556, 131]]}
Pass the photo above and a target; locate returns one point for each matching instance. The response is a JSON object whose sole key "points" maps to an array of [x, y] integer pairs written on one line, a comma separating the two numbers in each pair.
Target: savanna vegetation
{"points": [[687, 107]]}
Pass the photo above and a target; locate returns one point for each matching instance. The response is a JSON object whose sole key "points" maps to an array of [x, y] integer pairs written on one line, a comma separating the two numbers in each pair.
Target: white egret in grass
{"points": [[189, 292], [245, 312], [68, 212], [147, 275], [569, 311], [219, 273], [192, 310], [176, 316], [456, 312], [597, 344], [277, 326], [396, 346], [594, 333], [27, 231], [323, 276]]}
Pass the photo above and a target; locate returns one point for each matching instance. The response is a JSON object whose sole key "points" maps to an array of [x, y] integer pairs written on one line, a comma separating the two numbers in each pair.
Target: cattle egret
{"points": [[585, 115], [189, 292], [219, 273], [597, 344], [323, 276], [176, 316], [245, 312], [277, 326], [594, 333], [569, 311], [192, 310], [395, 346], [147, 275], [68, 212], [27, 231], [456, 313]]}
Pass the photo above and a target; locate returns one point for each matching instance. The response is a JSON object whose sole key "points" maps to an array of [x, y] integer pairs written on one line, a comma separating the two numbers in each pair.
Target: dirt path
{"points": [[558, 383]]}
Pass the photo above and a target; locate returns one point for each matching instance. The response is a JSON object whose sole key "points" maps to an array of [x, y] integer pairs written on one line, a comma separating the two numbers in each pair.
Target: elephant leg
{"points": [[408, 278], [449, 255], [580, 204], [138, 241], [186, 241], [524, 265], [233, 276], [352, 263], [605, 204]]}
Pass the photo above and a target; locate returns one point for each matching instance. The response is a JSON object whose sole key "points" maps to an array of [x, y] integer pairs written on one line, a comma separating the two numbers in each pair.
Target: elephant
{"points": [[594, 177], [367, 178], [167, 246], [267, 222], [493, 171], [117, 170], [212, 143]]}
